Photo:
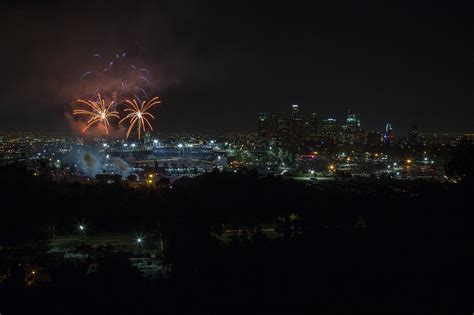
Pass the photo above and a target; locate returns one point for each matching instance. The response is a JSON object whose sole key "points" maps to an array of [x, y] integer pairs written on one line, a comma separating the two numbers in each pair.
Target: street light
{"points": [[139, 241]]}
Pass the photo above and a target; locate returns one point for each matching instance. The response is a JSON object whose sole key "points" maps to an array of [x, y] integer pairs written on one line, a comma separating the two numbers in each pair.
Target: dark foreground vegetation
{"points": [[385, 247]]}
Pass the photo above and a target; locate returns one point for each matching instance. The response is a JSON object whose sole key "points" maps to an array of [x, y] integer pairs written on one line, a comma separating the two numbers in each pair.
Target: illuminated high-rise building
{"points": [[388, 135], [312, 127], [263, 125], [283, 129], [297, 124], [351, 132], [295, 111], [329, 131], [412, 135], [273, 125]]}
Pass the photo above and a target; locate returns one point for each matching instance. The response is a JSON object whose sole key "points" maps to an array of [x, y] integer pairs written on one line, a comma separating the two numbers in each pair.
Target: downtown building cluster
{"points": [[298, 131]]}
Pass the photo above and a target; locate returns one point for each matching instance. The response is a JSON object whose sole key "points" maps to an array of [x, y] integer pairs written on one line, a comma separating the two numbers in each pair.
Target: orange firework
{"points": [[138, 114], [98, 112]]}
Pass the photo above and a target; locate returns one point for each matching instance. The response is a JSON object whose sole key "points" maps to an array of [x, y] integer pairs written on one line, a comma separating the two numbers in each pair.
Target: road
{"points": [[123, 242]]}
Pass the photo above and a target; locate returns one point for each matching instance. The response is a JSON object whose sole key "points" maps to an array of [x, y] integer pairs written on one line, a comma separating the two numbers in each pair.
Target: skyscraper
{"points": [[412, 135], [389, 135], [283, 130], [329, 131], [297, 124], [313, 127], [263, 125], [273, 125], [351, 132], [295, 111]]}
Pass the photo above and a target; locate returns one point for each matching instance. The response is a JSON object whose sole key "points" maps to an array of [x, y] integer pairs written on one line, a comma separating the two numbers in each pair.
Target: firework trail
{"points": [[97, 111], [144, 92], [117, 77], [86, 74], [138, 115], [146, 80]]}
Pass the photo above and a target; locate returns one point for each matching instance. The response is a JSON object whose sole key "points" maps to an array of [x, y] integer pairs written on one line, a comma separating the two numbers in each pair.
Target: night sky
{"points": [[217, 64]]}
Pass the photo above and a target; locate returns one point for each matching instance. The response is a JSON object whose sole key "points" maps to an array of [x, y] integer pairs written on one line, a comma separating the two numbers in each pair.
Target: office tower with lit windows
{"points": [[312, 127], [329, 131], [412, 135], [351, 132], [389, 135], [297, 125], [283, 130], [263, 125], [273, 126]]}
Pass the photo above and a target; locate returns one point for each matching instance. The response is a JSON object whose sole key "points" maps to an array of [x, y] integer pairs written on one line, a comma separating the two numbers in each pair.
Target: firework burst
{"points": [[97, 111], [116, 77], [138, 115]]}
